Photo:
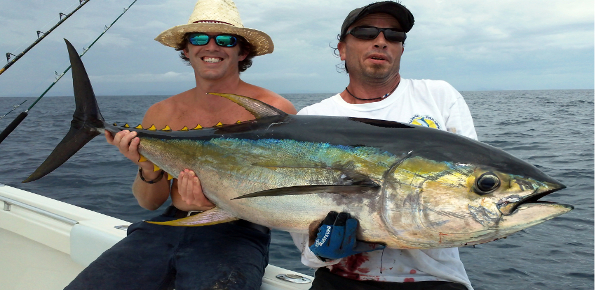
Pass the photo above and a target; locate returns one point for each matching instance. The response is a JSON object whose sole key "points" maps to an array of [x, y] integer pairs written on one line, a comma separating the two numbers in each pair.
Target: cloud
{"points": [[471, 44]]}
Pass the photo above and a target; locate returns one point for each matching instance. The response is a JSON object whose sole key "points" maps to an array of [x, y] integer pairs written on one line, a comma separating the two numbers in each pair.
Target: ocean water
{"points": [[551, 129]]}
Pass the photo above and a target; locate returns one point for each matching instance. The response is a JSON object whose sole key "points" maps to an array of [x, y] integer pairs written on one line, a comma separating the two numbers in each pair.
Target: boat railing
{"points": [[8, 202]]}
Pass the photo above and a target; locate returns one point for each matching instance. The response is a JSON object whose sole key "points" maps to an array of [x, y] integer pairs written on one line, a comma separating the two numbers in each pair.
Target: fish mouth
{"points": [[509, 205]]}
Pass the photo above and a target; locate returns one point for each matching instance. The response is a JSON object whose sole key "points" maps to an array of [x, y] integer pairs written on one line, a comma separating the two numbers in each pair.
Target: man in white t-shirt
{"points": [[371, 44]]}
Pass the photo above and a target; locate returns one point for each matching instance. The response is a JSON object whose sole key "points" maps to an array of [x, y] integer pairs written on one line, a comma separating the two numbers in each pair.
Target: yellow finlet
{"points": [[126, 125], [142, 158], [167, 128], [198, 127], [184, 129], [169, 177], [152, 128], [219, 124], [115, 124], [239, 122], [138, 127], [155, 167]]}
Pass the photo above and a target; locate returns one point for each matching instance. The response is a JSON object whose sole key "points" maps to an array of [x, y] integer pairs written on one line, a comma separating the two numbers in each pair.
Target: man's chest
{"points": [[207, 118]]}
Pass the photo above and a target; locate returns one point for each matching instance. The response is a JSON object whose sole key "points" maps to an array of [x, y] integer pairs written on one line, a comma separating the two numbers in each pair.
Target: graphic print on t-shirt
{"points": [[425, 121]]}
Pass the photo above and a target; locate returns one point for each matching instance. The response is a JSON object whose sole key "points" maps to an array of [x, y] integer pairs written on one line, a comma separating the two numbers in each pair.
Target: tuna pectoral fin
{"points": [[210, 217], [314, 189], [72, 142]]}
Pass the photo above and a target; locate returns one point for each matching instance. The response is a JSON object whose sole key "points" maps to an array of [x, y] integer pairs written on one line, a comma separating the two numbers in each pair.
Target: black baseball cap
{"points": [[398, 11]]}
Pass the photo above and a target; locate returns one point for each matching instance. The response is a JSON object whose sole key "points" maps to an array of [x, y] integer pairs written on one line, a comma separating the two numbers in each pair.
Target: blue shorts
{"points": [[223, 256]]}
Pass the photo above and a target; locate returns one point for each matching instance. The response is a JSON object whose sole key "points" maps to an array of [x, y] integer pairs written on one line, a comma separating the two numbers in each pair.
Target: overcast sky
{"points": [[474, 45]]}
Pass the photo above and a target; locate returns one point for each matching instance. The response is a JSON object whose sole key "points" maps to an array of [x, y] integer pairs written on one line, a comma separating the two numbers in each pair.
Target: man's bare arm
{"points": [[149, 196]]}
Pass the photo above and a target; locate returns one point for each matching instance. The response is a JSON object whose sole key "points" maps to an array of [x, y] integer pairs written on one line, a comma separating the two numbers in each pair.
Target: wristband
{"points": [[140, 174]]}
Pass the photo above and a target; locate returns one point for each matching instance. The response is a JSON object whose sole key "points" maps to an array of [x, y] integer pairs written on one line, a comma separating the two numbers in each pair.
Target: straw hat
{"points": [[220, 16]]}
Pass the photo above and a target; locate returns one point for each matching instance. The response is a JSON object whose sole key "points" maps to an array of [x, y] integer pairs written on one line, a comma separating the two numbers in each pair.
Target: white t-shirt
{"points": [[429, 103]]}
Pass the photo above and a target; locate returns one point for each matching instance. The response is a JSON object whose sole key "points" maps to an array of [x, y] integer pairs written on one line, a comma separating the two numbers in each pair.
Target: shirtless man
{"points": [[225, 256]]}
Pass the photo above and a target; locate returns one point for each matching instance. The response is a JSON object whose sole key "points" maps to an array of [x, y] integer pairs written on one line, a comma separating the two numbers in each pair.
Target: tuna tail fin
{"points": [[85, 122]]}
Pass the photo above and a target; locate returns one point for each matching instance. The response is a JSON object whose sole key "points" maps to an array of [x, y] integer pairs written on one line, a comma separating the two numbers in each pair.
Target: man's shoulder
{"points": [[261, 93], [431, 88], [432, 84], [163, 110], [167, 104], [319, 107]]}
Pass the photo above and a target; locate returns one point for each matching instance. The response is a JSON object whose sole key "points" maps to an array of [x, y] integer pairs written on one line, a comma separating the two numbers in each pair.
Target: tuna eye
{"points": [[487, 183]]}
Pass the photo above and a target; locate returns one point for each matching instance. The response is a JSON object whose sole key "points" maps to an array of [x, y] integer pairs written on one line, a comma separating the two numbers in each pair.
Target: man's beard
{"points": [[378, 73]]}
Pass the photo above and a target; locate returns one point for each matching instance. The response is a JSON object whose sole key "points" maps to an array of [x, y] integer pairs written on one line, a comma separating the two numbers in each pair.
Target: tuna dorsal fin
{"points": [[257, 108], [313, 189], [210, 217]]}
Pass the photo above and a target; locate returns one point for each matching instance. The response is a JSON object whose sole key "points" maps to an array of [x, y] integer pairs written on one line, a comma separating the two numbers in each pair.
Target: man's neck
{"points": [[224, 85], [362, 92], [212, 103]]}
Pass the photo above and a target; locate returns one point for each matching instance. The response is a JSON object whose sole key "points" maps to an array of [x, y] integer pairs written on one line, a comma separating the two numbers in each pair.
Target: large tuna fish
{"points": [[409, 186]]}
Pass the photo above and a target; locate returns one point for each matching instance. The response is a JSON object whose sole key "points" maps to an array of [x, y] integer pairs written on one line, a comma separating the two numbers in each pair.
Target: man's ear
{"points": [[185, 50], [341, 48], [242, 56]]}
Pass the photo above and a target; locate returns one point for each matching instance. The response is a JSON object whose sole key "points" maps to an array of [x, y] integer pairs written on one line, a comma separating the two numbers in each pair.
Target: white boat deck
{"points": [[27, 264], [45, 243]]}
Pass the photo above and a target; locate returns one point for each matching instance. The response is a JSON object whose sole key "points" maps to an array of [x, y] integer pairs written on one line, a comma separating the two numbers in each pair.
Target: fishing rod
{"points": [[13, 108], [40, 36], [24, 114]]}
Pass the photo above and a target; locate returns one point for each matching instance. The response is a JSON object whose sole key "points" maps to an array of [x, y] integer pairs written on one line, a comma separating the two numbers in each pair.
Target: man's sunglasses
{"points": [[224, 40], [371, 32]]}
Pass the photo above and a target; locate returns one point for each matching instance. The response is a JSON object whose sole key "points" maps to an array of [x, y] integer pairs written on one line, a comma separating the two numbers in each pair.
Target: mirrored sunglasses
{"points": [[224, 40], [371, 32]]}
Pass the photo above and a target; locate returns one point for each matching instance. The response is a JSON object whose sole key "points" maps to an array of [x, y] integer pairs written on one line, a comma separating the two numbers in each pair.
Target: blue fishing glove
{"points": [[337, 238]]}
